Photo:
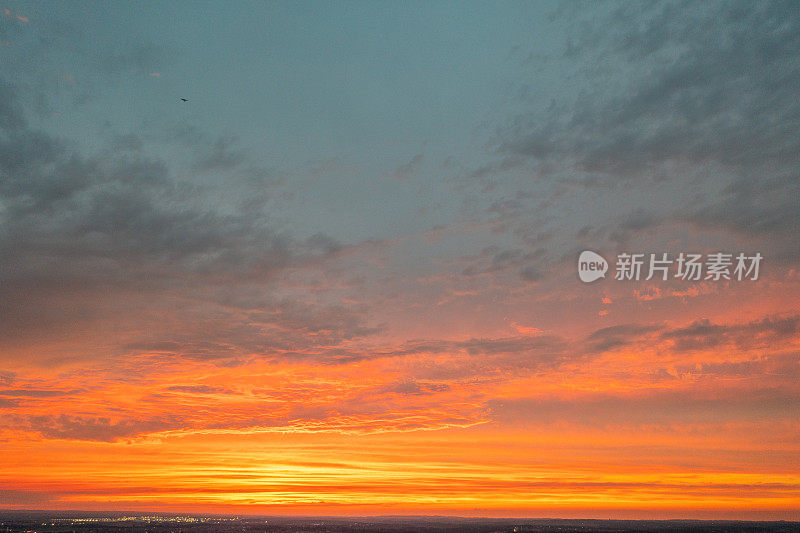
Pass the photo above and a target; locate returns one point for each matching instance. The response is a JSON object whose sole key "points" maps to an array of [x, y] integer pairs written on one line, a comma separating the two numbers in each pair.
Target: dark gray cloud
{"points": [[618, 336], [705, 82], [631, 223], [547, 346], [702, 96], [82, 233], [74, 206], [761, 206], [97, 428], [412, 387], [233, 329], [494, 260], [6, 403], [663, 409], [192, 346], [703, 334], [199, 389], [220, 157], [476, 355], [782, 367], [531, 273], [525, 353], [699, 335], [36, 393], [127, 142]]}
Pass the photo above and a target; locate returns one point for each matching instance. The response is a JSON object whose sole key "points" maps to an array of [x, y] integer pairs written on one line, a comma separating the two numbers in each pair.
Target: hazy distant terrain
{"points": [[324, 259], [52, 522]]}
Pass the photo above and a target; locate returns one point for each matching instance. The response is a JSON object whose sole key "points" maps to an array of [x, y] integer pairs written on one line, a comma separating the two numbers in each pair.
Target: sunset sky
{"points": [[342, 278]]}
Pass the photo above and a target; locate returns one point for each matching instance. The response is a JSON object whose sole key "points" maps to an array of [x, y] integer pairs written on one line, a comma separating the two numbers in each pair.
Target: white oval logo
{"points": [[591, 266]]}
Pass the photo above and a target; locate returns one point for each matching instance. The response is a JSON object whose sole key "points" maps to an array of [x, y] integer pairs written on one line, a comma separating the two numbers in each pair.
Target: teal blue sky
{"points": [[413, 165], [354, 90]]}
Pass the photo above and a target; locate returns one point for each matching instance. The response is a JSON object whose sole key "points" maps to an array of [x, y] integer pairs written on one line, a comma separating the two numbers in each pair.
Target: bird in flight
{"points": [[184, 100]]}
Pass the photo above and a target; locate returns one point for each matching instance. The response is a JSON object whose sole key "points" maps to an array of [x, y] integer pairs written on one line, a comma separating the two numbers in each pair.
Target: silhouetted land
{"points": [[73, 522]]}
